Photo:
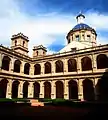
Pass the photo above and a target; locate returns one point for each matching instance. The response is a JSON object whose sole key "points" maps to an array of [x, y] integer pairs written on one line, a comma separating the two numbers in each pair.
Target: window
{"points": [[15, 42], [88, 37], [37, 53], [43, 53], [83, 37], [23, 43], [73, 49], [68, 41], [77, 37]]}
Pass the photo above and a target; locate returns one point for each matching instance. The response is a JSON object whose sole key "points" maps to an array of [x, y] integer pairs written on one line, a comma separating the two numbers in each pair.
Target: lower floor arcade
{"points": [[83, 89]]}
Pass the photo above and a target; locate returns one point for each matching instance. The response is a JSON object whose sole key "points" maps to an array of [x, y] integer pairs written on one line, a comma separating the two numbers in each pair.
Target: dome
{"points": [[81, 26]]}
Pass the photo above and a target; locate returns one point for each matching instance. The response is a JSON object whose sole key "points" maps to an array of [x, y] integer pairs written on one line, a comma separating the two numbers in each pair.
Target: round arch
{"points": [[102, 61], [47, 67], [37, 69], [47, 90], [5, 63], [15, 86], [86, 64], [17, 65], [59, 66], [88, 90], [73, 89], [102, 88], [3, 88], [72, 65], [36, 89], [59, 89], [26, 68], [25, 89]]}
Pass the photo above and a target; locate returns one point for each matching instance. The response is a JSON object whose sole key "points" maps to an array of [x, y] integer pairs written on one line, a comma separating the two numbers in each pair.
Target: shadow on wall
{"points": [[102, 87]]}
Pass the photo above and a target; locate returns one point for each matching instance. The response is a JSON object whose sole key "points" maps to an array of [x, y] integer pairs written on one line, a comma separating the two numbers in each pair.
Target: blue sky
{"points": [[48, 21]]}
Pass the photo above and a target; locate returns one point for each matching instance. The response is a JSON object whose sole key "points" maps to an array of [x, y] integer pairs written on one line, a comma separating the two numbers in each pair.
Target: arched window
{"points": [[59, 66], [26, 68], [15, 86], [17, 65], [23, 43], [15, 42], [47, 90], [36, 89], [72, 66], [25, 89], [102, 61], [73, 89], [5, 63], [3, 88], [86, 64], [47, 67], [37, 53], [59, 89], [37, 69], [88, 90]]}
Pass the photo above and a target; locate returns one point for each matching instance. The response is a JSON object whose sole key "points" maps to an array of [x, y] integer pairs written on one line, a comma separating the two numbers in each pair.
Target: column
{"points": [[79, 68], [1, 57], [11, 66], [9, 89], [20, 89], [80, 89], [96, 88], [65, 65], [22, 67], [30, 90], [42, 68], [53, 90], [31, 72], [41, 89], [66, 89], [53, 67], [94, 62]]}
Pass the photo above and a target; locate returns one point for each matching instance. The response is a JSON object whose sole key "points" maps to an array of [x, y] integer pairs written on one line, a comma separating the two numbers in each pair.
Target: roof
{"points": [[77, 45], [81, 26], [80, 15]]}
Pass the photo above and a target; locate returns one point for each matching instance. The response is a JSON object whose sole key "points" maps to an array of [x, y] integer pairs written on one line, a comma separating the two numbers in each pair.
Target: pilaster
{"points": [[9, 89], [80, 89], [66, 89], [41, 89], [30, 90], [53, 90]]}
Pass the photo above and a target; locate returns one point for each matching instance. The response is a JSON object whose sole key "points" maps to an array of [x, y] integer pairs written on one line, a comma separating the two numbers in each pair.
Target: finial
{"points": [[80, 17]]}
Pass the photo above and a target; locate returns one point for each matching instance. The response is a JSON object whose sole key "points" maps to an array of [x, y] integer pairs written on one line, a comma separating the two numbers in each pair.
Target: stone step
{"points": [[35, 102]]}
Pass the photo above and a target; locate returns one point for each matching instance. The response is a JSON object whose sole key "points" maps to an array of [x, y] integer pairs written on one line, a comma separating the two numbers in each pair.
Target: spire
{"points": [[80, 17]]}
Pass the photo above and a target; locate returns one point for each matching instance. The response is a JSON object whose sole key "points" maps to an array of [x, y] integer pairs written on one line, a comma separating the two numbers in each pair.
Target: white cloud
{"points": [[41, 29], [98, 21]]}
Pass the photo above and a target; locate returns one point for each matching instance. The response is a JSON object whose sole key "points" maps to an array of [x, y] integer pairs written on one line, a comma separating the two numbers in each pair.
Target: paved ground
{"points": [[51, 112]]}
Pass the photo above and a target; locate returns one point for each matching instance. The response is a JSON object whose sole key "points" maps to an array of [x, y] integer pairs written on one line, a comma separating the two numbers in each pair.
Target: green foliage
{"points": [[14, 100]]}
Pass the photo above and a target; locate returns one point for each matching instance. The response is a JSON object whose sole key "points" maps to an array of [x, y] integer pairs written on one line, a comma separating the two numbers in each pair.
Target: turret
{"points": [[19, 43], [39, 51]]}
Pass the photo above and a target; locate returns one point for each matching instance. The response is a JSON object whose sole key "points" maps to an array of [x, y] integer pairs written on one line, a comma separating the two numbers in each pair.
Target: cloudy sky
{"points": [[48, 21]]}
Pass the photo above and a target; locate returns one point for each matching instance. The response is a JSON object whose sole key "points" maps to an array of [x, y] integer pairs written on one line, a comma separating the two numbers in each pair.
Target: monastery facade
{"points": [[75, 72]]}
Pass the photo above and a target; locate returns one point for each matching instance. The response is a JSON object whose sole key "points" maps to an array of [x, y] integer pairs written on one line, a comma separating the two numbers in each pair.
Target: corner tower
{"points": [[82, 32], [19, 43], [39, 51]]}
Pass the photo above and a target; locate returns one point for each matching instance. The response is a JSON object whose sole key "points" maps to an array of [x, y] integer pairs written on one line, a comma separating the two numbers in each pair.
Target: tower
{"points": [[19, 43], [39, 51]]}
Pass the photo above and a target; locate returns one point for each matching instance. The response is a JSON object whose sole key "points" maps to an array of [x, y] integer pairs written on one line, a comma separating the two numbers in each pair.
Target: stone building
{"points": [[76, 72]]}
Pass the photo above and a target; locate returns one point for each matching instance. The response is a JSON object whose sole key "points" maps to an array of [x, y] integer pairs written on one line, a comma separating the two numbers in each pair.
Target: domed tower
{"points": [[82, 32], [81, 36]]}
